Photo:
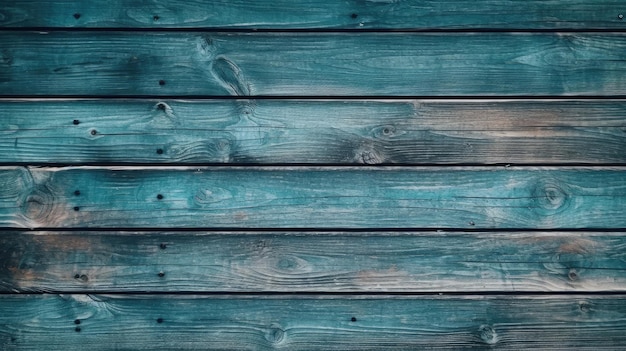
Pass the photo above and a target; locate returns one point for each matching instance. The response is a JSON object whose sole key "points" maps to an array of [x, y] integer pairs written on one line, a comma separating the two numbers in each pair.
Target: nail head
{"points": [[77, 321], [94, 132], [77, 15], [161, 274]]}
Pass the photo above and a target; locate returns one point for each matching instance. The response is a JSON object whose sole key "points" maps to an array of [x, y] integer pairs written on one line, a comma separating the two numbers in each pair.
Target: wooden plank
{"points": [[289, 14], [311, 262], [313, 131], [304, 197], [259, 322], [318, 64]]}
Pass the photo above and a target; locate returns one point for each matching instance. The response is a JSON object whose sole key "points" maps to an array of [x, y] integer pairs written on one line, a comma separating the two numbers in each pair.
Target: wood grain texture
{"points": [[312, 64], [325, 197], [258, 322], [290, 14], [311, 262], [312, 131]]}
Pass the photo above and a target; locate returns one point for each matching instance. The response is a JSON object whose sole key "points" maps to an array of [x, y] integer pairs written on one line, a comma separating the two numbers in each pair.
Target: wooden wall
{"points": [[312, 175]]}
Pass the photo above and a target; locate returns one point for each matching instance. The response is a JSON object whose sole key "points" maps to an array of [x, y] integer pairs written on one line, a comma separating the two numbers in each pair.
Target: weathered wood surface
{"points": [[313, 131], [260, 322], [325, 197], [316, 14], [312, 64], [311, 262]]}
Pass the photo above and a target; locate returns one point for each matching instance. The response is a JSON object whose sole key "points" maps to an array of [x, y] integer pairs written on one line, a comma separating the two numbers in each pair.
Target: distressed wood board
{"points": [[117, 131], [259, 322], [307, 197], [309, 14], [96, 261], [311, 64]]}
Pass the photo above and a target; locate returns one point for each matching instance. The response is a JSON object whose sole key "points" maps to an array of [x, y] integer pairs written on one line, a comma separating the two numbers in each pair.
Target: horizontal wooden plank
{"points": [[307, 262], [326, 197], [290, 14], [313, 131], [318, 64], [165, 322]]}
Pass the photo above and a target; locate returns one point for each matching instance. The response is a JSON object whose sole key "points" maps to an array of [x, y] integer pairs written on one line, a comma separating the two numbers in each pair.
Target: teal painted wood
{"points": [[260, 322], [324, 197], [311, 262], [286, 14], [312, 131], [292, 64]]}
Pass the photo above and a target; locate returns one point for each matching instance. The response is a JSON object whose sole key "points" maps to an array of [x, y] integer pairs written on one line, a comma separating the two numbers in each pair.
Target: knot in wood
{"points": [[39, 206], [230, 76], [205, 47], [584, 306], [161, 106], [487, 334], [275, 333], [384, 132], [368, 155], [292, 265], [550, 196], [573, 274]]}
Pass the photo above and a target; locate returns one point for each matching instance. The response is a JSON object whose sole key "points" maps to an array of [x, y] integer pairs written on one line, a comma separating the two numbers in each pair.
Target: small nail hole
{"points": [[160, 197], [354, 15], [161, 274], [76, 208], [161, 106], [76, 122], [77, 321], [160, 151], [156, 18], [77, 15], [76, 276], [353, 319], [472, 223], [77, 329], [159, 320], [76, 192], [163, 246], [161, 82]]}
